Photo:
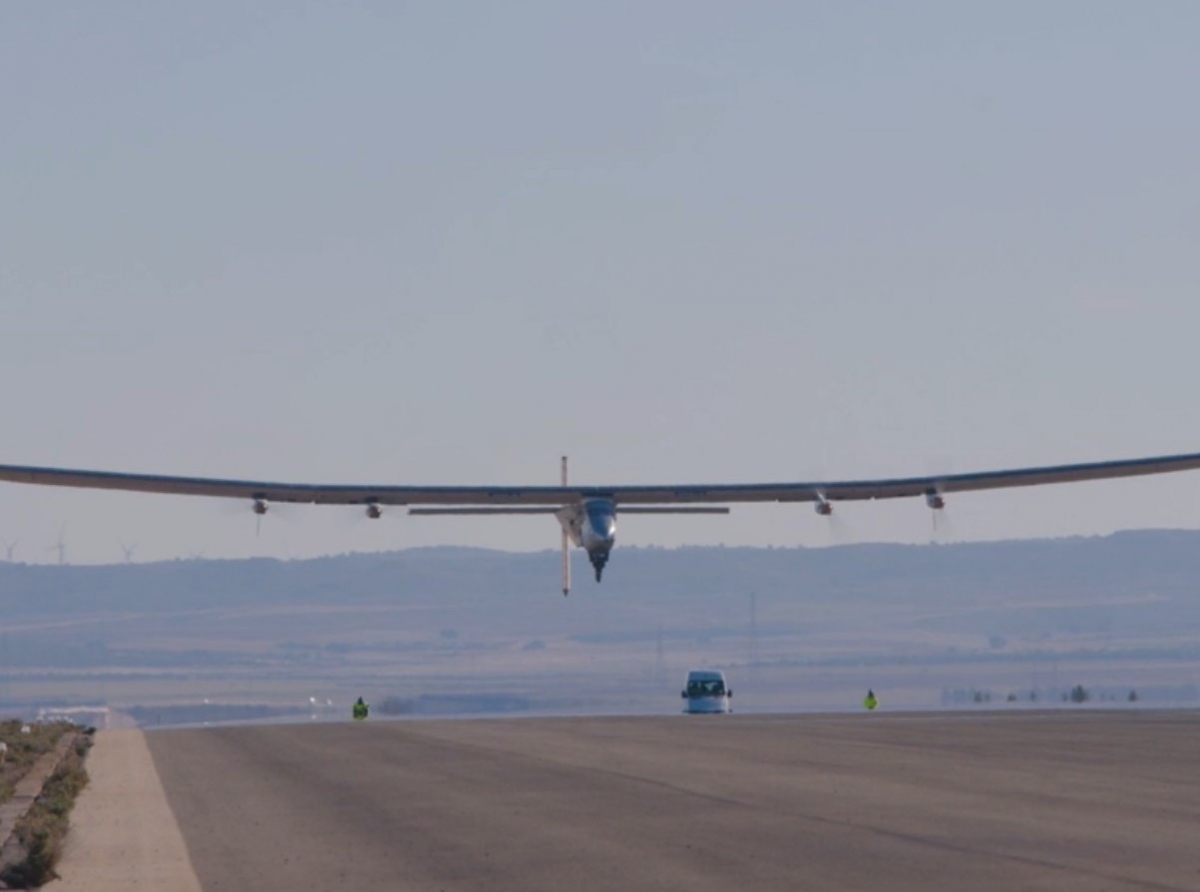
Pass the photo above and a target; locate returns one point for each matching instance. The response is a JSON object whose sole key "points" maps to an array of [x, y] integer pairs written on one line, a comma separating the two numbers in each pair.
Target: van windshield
{"points": [[714, 688]]}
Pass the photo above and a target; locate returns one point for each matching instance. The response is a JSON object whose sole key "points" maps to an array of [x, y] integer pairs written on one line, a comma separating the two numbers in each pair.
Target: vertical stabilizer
{"points": [[566, 544], [566, 564]]}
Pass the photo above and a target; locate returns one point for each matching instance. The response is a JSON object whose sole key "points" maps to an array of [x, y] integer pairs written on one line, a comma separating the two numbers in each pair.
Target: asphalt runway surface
{"points": [[950, 801]]}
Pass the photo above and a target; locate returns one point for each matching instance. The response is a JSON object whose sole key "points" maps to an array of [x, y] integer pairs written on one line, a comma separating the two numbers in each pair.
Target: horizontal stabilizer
{"points": [[548, 509], [631, 509], [671, 509]]}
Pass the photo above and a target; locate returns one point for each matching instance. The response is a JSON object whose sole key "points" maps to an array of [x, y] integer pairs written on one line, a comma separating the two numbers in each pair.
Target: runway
{"points": [[1031, 800]]}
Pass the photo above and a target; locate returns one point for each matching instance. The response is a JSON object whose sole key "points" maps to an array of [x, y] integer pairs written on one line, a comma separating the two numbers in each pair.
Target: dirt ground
{"points": [[123, 835]]}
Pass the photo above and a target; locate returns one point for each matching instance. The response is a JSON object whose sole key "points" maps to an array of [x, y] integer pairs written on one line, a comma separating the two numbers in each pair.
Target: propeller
{"points": [[357, 515], [834, 521], [936, 501], [822, 505], [935, 495], [259, 508]]}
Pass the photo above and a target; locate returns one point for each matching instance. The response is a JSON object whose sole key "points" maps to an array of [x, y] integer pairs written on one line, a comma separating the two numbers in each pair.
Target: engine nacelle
{"points": [[823, 508], [934, 501], [374, 511], [259, 507]]}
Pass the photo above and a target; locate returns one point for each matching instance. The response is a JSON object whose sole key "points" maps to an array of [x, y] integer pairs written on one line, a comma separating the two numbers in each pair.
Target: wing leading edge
{"points": [[832, 491]]}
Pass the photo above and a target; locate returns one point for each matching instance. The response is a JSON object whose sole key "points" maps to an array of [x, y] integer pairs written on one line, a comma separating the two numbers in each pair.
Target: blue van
{"points": [[706, 692]]}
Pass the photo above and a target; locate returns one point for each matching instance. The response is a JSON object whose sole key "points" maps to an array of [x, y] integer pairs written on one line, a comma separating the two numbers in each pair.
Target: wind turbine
{"points": [[9, 548], [128, 549], [60, 547]]}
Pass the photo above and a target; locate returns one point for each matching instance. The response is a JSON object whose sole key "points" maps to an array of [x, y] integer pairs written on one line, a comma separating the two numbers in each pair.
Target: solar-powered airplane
{"points": [[588, 514]]}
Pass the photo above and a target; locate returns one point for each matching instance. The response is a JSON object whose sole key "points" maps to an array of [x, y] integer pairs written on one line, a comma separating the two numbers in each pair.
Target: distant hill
{"points": [[443, 613], [514, 589], [1143, 582]]}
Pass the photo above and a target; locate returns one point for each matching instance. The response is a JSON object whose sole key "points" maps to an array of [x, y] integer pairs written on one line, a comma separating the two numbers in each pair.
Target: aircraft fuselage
{"points": [[592, 525]]}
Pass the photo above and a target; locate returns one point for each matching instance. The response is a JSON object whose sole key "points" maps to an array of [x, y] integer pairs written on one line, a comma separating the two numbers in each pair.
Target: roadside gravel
{"points": [[123, 835]]}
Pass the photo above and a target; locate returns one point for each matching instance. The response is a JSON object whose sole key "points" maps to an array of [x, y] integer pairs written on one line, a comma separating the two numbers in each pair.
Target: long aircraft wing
{"points": [[833, 490]]}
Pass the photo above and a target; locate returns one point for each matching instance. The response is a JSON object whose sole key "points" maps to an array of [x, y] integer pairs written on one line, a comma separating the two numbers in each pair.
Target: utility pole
{"points": [[659, 666], [754, 634]]}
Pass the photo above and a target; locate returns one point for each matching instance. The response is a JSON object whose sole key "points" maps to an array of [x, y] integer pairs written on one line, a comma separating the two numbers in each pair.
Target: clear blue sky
{"points": [[679, 241]]}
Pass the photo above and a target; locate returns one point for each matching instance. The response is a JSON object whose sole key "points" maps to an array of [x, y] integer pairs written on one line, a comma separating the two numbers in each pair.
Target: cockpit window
{"points": [[600, 516], [715, 688]]}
